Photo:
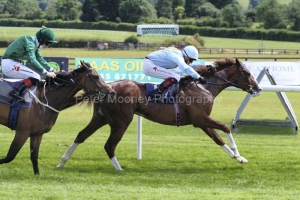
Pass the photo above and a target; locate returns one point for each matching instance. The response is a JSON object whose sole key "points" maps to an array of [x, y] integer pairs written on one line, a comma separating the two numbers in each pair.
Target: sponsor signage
{"points": [[285, 73], [114, 69]]}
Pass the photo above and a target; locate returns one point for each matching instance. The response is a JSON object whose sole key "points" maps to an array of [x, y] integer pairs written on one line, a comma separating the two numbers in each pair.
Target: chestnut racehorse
{"points": [[50, 99], [119, 114]]}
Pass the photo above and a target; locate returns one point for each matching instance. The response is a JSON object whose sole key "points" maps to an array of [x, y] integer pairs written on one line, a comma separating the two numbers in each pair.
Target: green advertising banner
{"points": [[114, 69]]}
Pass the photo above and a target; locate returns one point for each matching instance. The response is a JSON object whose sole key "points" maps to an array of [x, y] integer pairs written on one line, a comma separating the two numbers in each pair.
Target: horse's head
{"points": [[237, 75], [91, 82]]}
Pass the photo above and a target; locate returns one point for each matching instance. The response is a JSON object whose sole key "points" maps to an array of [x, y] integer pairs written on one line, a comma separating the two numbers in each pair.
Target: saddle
{"points": [[5, 87], [170, 98], [170, 94]]}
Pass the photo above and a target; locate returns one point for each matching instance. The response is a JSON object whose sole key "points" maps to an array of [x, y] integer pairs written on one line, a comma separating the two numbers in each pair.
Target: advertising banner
{"points": [[114, 69], [55, 62], [285, 73]]}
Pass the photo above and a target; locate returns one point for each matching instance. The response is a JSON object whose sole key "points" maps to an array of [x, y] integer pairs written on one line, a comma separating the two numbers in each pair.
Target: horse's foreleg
{"points": [[16, 145], [232, 152], [34, 152], [234, 148]]}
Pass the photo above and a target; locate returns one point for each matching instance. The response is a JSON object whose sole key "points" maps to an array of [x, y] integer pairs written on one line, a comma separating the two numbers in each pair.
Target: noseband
{"points": [[97, 92]]}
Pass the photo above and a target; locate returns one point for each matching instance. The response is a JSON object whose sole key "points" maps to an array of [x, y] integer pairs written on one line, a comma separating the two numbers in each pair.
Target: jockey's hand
{"points": [[51, 74], [202, 80]]}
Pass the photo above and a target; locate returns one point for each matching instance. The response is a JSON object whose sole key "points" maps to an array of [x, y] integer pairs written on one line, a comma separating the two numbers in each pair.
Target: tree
{"points": [[208, 10], [14, 7], [51, 11], [89, 11], [134, 11], [270, 13], [2, 6], [177, 3], [68, 9], [293, 14], [109, 9], [233, 14], [164, 9], [178, 13], [221, 4], [191, 7], [35, 13]]}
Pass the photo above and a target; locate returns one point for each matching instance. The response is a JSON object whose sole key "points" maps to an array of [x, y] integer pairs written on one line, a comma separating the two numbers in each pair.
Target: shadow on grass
{"points": [[263, 130]]}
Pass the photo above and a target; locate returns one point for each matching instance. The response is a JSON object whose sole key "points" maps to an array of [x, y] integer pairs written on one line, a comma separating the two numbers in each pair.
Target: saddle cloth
{"points": [[6, 86], [170, 94]]}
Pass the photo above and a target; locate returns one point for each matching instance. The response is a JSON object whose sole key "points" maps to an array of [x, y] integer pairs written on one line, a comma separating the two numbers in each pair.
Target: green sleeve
{"points": [[35, 58]]}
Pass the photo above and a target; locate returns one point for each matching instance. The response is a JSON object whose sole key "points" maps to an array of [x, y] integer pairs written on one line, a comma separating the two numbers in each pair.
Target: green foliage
{"points": [[178, 12], [270, 13], [133, 11], [132, 39], [208, 10], [293, 14], [109, 9], [160, 20], [232, 14], [68, 9], [199, 39], [89, 13], [164, 8], [192, 6]]}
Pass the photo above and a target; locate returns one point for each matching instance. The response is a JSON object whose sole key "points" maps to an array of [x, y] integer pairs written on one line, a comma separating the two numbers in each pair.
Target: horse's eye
{"points": [[95, 77]]}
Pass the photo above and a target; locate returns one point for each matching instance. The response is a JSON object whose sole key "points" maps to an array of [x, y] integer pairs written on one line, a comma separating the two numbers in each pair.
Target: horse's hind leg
{"points": [[95, 123], [34, 152], [16, 145]]}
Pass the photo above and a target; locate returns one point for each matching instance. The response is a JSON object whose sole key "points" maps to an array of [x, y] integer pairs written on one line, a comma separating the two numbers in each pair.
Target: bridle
{"points": [[247, 88], [96, 93]]}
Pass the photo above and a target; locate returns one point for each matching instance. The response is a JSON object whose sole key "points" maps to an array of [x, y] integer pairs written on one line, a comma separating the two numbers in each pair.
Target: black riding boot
{"points": [[16, 92], [158, 93]]}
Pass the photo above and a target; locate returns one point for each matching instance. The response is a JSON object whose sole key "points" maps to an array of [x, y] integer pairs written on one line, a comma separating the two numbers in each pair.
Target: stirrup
{"points": [[17, 97]]}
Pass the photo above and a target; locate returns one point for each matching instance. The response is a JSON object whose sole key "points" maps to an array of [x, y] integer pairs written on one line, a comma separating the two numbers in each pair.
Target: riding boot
{"points": [[158, 93], [17, 92]]}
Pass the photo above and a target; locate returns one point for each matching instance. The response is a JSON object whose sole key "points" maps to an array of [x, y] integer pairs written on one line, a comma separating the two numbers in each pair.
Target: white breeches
{"points": [[14, 69], [150, 69]]}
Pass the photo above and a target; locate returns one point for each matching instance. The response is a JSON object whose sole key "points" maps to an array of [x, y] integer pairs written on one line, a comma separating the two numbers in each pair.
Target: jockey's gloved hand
{"points": [[202, 80], [51, 74]]}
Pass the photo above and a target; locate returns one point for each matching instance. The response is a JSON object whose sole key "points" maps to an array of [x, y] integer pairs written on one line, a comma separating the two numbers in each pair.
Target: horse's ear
{"points": [[237, 61], [81, 62]]}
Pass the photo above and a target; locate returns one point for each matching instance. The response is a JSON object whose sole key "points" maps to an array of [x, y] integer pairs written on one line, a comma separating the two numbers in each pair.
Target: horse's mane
{"points": [[208, 70], [62, 76]]}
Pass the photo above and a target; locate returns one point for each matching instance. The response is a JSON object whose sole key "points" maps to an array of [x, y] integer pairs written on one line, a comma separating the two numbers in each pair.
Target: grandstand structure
{"points": [[157, 29]]}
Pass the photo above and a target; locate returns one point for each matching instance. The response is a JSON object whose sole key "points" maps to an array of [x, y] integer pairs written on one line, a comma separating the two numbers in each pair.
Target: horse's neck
{"points": [[217, 83], [56, 98]]}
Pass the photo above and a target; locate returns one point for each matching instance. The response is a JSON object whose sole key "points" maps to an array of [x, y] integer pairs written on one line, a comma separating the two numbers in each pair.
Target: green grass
{"points": [[10, 33], [177, 162]]}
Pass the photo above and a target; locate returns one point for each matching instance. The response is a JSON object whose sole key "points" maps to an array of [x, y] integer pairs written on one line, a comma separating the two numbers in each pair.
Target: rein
{"points": [[232, 83], [43, 104]]}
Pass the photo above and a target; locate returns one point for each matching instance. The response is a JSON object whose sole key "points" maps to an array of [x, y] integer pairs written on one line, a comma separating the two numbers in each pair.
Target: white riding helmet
{"points": [[191, 52]]}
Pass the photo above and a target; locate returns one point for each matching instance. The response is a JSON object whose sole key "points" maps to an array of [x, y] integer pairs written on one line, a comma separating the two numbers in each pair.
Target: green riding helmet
{"points": [[45, 35]]}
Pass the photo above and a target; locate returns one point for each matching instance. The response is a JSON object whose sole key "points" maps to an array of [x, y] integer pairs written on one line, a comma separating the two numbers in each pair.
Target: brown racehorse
{"points": [[40, 117], [119, 113]]}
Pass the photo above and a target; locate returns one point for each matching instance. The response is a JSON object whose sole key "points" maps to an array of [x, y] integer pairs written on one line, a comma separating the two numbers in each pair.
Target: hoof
{"points": [[241, 159]]}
